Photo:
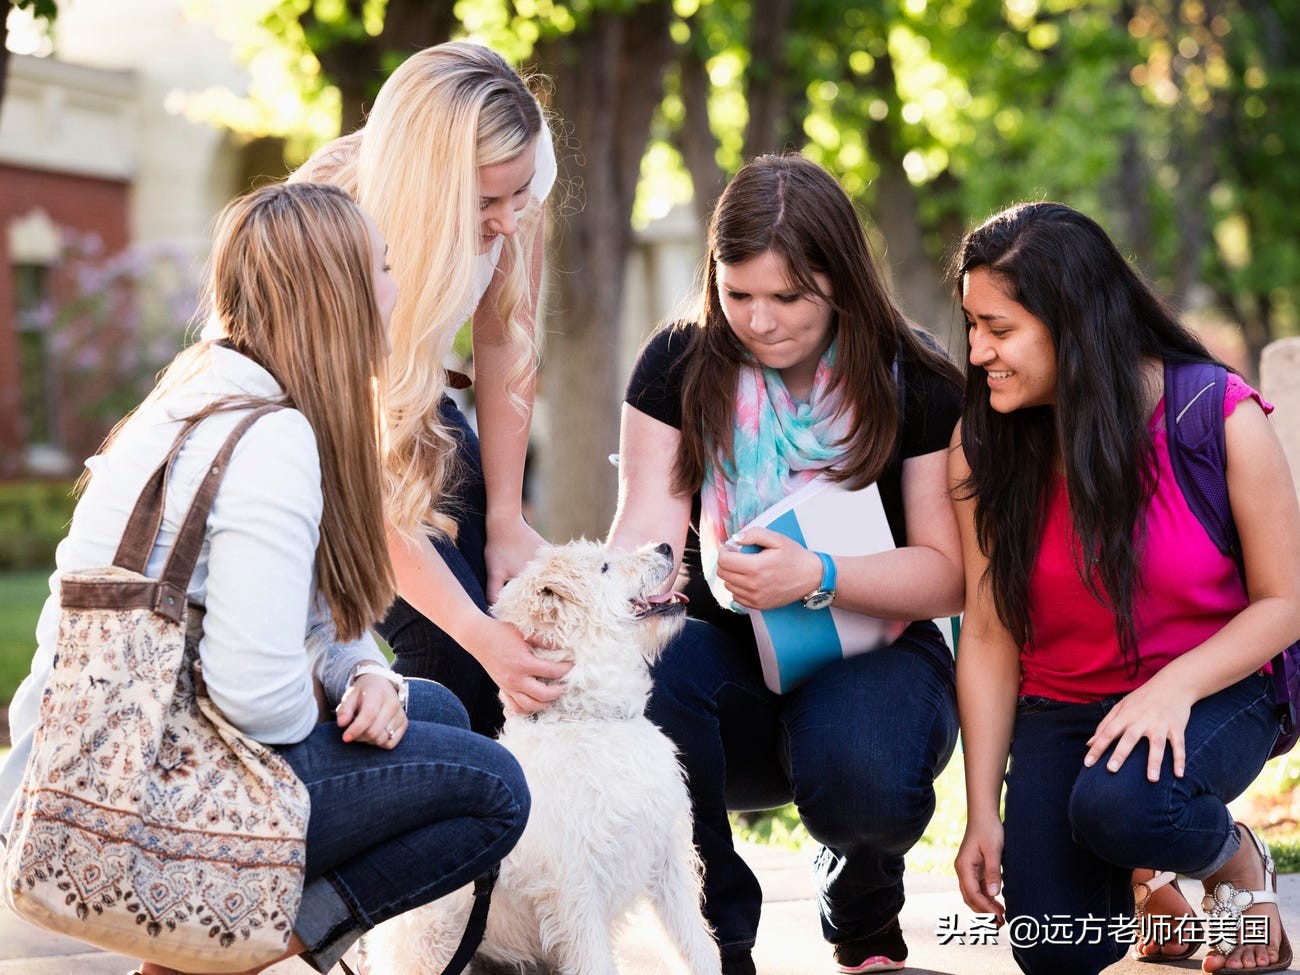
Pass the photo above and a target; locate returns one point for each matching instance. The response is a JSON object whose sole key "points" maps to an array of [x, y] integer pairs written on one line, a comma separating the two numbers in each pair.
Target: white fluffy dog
{"points": [[611, 818]]}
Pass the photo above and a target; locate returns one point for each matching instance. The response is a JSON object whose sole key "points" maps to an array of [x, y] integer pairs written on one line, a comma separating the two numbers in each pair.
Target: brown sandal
{"points": [[1142, 891]]}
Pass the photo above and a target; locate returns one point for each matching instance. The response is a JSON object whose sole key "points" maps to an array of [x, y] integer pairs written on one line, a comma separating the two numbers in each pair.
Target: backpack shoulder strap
{"points": [[1194, 394], [1198, 453]]}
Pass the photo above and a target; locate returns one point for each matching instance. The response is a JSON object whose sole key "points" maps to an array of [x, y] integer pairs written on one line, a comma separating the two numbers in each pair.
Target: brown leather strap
{"points": [[175, 580], [142, 527], [458, 380]]}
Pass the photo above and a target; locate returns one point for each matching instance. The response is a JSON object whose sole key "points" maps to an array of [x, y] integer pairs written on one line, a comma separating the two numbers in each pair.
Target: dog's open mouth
{"points": [[669, 602]]}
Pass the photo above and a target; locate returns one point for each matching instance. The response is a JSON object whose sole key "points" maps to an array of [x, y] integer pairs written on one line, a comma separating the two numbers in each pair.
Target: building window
{"points": [[36, 360]]}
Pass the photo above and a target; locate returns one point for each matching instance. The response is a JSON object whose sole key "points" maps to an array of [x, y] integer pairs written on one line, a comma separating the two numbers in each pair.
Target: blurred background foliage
{"points": [[1168, 120]]}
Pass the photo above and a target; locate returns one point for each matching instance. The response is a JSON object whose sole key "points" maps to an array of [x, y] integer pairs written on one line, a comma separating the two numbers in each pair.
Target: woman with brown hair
{"points": [[293, 569], [799, 364]]}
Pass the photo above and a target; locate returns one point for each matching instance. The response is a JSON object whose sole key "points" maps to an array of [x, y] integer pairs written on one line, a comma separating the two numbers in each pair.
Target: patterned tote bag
{"points": [[147, 824]]}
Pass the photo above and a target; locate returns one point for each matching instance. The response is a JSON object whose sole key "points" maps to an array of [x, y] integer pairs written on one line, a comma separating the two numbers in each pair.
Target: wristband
{"points": [[379, 670]]}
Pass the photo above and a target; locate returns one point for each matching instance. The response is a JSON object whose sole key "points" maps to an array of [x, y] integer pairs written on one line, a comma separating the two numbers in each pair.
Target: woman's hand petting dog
{"points": [[371, 713], [527, 682]]}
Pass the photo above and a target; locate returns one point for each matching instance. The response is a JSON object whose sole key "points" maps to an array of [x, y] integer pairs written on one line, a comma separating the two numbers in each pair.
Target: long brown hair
{"points": [[290, 280], [795, 209], [292, 283]]}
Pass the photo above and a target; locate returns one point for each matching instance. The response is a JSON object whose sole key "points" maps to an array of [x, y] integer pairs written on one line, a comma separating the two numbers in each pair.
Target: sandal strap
{"points": [[1265, 854], [1160, 879], [1210, 902]]}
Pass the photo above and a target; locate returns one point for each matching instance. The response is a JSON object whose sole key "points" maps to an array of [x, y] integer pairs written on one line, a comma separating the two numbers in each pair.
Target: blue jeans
{"points": [[856, 748], [391, 830], [1074, 834], [423, 649]]}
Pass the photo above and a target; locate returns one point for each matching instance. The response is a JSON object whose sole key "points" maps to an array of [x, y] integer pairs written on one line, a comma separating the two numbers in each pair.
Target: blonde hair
{"points": [[444, 113]]}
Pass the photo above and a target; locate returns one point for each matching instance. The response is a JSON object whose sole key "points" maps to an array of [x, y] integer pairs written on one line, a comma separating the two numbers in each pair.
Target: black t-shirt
{"points": [[931, 408]]}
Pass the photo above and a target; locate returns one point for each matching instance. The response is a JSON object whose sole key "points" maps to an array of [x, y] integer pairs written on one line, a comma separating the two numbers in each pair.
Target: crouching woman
{"points": [[407, 804], [1111, 655], [799, 364]]}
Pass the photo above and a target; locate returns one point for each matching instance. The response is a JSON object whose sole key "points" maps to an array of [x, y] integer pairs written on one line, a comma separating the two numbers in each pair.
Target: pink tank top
{"points": [[1189, 591]]}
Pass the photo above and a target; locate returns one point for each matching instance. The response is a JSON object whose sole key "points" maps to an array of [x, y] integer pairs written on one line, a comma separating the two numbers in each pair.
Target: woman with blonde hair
{"points": [[454, 163], [293, 569]]}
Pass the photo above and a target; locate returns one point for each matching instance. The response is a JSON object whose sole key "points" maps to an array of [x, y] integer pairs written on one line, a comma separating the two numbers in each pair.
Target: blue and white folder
{"points": [[794, 642]]}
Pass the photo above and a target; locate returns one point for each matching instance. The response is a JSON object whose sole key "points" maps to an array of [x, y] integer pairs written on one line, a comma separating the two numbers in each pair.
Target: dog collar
{"points": [[598, 714]]}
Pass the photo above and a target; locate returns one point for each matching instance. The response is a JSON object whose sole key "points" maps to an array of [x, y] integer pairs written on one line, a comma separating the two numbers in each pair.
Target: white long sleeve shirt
{"points": [[255, 575]]}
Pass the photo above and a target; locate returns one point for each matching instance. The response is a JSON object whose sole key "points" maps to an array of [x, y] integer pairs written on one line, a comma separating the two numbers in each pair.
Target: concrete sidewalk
{"points": [[789, 941]]}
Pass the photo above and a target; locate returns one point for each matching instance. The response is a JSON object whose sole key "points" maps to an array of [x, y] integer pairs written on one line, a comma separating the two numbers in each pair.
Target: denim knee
{"points": [[512, 777], [847, 801], [885, 819], [431, 701], [1116, 814]]}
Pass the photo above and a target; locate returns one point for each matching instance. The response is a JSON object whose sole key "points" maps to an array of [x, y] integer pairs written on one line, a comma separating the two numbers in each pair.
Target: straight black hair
{"points": [[1104, 320]]}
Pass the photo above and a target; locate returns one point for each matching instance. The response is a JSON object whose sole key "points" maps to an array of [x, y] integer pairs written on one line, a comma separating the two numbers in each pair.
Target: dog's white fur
{"points": [[611, 818]]}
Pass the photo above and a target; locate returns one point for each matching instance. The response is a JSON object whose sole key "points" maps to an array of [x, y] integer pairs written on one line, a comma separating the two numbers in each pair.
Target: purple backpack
{"points": [[1194, 394]]}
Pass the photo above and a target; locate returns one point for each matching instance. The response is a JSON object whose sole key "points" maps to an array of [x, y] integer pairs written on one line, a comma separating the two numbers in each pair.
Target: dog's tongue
{"points": [[668, 597]]}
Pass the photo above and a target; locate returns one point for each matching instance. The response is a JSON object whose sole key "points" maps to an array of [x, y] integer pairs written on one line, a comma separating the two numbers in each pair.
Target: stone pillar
{"points": [[1279, 380]]}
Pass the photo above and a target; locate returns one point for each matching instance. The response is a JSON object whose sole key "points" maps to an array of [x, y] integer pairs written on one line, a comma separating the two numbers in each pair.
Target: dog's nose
{"points": [[664, 549]]}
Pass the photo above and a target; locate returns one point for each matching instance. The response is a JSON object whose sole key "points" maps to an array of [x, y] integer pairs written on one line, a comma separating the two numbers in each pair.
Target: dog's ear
{"points": [[552, 590], [549, 599]]}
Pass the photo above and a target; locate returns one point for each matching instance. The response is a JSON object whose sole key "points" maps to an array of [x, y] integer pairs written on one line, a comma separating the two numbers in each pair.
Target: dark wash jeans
{"points": [[424, 649], [393, 829], [857, 748], [1074, 834]]}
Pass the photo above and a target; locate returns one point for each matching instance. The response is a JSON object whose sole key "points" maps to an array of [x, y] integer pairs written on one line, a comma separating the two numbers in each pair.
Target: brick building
{"points": [[97, 145], [66, 164]]}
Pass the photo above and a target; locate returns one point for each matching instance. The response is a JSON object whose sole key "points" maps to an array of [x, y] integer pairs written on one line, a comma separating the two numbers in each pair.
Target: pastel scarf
{"points": [[778, 445]]}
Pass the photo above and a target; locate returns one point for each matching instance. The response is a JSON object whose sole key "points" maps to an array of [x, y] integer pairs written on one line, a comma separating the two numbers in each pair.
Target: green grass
{"points": [[21, 596], [933, 854]]}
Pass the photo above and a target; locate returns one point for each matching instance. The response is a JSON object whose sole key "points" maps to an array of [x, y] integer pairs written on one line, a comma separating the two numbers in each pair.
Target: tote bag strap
{"points": [[142, 528]]}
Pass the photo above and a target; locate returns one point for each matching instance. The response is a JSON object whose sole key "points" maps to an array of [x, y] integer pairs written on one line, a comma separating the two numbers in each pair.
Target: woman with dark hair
{"points": [[1109, 650], [799, 364]]}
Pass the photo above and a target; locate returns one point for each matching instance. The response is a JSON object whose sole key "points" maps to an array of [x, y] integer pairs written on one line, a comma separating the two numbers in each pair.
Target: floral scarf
{"points": [[778, 445]]}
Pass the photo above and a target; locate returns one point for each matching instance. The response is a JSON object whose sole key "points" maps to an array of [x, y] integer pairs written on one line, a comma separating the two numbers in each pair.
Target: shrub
{"points": [[34, 517]]}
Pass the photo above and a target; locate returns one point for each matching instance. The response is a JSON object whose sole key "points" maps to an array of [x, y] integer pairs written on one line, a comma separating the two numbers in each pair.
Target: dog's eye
{"points": [[604, 568], [546, 591]]}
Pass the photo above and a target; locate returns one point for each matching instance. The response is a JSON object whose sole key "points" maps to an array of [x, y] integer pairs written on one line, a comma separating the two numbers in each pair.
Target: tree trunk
{"points": [[1133, 190], [766, 91], [916, 281], [608, 79], [695, 139], [355, 64]]}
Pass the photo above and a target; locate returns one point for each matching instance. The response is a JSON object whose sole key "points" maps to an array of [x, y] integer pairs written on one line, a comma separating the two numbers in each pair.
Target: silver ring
{"points": [[391, 733]]}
